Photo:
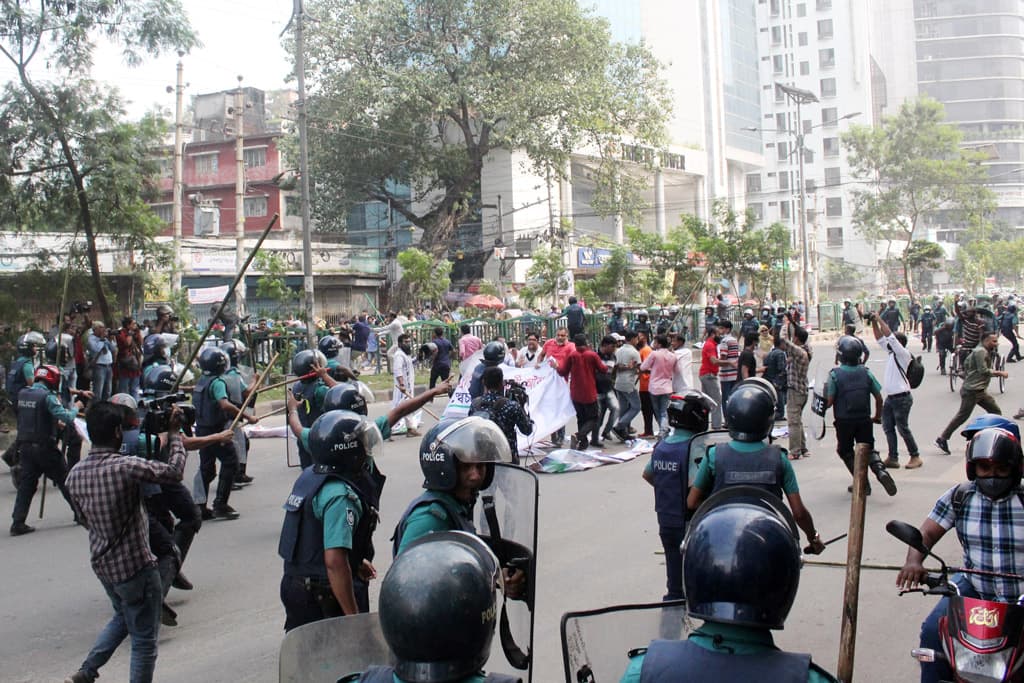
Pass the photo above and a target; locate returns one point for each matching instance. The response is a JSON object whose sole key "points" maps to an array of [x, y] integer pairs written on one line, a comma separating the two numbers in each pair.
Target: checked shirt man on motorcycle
{"points": [[987, 512]]}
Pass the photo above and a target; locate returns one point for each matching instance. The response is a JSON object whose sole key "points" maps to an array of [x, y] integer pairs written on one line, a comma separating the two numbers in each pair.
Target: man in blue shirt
{"points": [[575, 318], [441, 366], [360, 335]]}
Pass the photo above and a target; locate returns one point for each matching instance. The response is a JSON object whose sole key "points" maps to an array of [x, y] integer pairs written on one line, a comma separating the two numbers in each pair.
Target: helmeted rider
{"points": [[741, 571], [984, 510]]}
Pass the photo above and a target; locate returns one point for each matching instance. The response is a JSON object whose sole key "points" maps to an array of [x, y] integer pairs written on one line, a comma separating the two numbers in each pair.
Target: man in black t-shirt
{"points": [[747, 362]]}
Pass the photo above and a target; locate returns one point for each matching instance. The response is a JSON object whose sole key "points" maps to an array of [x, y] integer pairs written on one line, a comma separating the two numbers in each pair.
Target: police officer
{"points": [[19, 376], [927, 328], [749, 326], [332, 347], [494, 355], [238, 392], [310, 392], [849, 313], [668, 472], [213, 411], [433, 637], [616, 323], [748, 460], [848, 392], [741, 571], [330, 516], [39, 410], [640, 323]]}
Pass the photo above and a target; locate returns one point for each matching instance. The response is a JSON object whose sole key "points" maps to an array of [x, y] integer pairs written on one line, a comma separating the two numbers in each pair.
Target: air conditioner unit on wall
{"points": [[207, 221]]}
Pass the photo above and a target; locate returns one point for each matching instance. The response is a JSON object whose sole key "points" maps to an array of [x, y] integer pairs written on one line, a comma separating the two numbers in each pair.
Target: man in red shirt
{"points": [[709, 363], [556, 351], [583, 364]]}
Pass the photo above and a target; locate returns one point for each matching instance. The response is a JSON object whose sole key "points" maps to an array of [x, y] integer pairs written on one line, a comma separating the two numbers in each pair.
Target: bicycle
{"points": [[955, 370], [999, 363]]}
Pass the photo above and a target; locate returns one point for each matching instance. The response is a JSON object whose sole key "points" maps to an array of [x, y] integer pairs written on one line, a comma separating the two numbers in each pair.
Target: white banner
{"points": [[550, 405], [207, 295]]}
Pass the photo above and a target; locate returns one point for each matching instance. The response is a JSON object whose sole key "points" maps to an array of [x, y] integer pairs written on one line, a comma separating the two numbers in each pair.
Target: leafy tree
{"points": [[912, 167], [272, 284], [671, 258], [545, 275], [408, 97], [427, 281], [67, 158], [609, 282]]}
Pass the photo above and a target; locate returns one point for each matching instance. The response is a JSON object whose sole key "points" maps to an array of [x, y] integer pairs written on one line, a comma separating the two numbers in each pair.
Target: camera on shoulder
{"points": [[158, 413]]}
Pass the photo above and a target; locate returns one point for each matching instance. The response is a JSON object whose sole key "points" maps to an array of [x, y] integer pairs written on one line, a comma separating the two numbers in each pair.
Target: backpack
{"points": [[914, 374]]}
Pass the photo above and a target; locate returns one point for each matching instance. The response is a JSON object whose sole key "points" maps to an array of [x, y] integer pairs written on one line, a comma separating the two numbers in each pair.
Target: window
{"points": [[773, 7], [784, 180], [829, 117], [784, 211], [801, 9], [808, 126], [776, 35], [206, 164], [757, 209], [824, 4], [292, 205], [835, 237], [166, 167], [164, 212], [830, 147], [805, 68], [810, 185], [780, 123], [801, 38], [255, 157], [828, 87], [778, 64], [810, 216], [824, 29], [753, 182], [255, 206], [832, 176], [780, 96], [783, 150], [834, 206], [826, 58], [808, 156]]}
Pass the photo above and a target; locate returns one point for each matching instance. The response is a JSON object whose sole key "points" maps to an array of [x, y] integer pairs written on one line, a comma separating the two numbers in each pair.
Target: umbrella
{"points": [[484, 301]]}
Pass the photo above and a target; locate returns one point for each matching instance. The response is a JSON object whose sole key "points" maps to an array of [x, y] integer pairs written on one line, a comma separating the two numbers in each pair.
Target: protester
{"points": [[627, 368], [660, 366], [709, 367], [581, 367]]}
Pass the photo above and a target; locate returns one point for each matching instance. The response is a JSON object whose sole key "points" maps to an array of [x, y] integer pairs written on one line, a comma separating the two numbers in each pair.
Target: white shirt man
{"points": [[404, 386], [682, 378]]}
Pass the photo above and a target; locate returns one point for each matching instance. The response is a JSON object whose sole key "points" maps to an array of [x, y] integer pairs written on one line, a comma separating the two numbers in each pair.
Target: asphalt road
{"points": [[598, 546]]}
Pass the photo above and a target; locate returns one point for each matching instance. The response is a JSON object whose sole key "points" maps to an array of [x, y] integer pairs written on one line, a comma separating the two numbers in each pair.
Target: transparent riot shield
{"points": [[699, 446], [326, 650], [596, 643], [816, 422], [507, 522]]}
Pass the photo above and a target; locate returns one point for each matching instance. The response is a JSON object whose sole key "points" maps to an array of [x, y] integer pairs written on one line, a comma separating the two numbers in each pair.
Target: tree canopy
{"points": [[427, 281]]}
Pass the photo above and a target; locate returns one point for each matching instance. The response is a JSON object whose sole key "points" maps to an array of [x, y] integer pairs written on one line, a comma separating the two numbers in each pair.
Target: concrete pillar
{"points": [[659, 204]]}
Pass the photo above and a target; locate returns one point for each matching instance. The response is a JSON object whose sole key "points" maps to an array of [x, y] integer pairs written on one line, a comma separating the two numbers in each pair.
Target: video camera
{"points": [[515, 391], [158, 413], [81, 307]]}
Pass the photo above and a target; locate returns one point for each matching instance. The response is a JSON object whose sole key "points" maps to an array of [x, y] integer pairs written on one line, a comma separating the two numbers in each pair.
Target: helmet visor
{"points": [[474, 439], [365, 391], [369, 435]]}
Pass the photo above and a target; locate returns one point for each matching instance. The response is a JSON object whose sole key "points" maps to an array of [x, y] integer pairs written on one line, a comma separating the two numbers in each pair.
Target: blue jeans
{"points": [[933, 672], [101, 378], [128, 385], [629, 405], [895, 414], [727, 388], [136, 613], [660, 405]]}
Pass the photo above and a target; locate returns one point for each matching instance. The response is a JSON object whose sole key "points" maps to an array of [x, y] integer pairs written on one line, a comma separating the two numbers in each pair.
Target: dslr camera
{"points": [[158, 413], [514, 391]]}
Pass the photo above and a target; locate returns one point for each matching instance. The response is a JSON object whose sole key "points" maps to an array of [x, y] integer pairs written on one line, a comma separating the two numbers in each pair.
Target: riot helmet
{"points": [[467, 440], [354, 396], [847, 303], [990, 420], [1001, 447], [690, 411], [748, 313], [329, 346], [131, 408], [158, 346], [158, 379], [235, 350], [29, 342], [494, 352], [433, 636], [48, 375], [60, 349], [342, 442], [750, 411], [641, 315], [851, 350], [213, 361], [741, 560], [303, 362]]}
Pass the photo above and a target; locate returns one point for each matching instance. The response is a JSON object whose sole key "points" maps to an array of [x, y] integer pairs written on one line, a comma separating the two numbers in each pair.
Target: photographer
{"points": [[129, 357], [101, 348], [106, 488], [508, 412]]}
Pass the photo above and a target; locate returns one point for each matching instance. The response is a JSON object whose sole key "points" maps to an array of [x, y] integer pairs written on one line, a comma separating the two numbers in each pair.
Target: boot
{"points": [[882, 473]]}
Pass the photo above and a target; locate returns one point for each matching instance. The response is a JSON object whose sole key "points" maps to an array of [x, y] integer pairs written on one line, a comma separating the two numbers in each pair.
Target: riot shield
{"points": [[324, 651], [816, 422], [699, 445], [596, 643], [507, 521], [247, 373]]}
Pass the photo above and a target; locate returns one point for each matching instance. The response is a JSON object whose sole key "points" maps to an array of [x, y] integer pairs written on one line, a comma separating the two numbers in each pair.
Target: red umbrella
{"points": [[484, 301]]}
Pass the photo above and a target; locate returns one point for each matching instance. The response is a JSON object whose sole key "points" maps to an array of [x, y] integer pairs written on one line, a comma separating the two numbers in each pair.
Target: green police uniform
{"points": [[705, 479], [432, 517]]}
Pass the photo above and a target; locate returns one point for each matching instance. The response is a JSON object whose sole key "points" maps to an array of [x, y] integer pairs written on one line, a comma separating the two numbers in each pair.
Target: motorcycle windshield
{"points": [[596, 643], [326, 650], [510, 529]]}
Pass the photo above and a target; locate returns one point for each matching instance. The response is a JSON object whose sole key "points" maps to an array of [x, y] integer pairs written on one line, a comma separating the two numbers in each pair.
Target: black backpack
{"points": [[914, 374]]}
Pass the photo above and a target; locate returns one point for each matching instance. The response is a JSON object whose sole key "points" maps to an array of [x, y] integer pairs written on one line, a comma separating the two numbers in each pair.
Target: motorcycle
{"points": [[982, 640]]}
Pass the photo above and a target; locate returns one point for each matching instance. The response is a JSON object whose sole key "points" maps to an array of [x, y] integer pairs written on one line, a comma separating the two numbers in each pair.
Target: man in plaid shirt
{"points": [[988, 514], [106, 488]]}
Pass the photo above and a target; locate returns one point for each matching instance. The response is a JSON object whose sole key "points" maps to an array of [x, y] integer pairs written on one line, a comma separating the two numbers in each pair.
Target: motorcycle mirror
{"points": [[907, 533]]}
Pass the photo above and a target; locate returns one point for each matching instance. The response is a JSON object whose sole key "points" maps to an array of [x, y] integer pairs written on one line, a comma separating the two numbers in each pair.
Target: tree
{"points": [[545, 276], [609, 282], [912, 167], [408, 97], [67, 158], [272, 284], [427, 281]]}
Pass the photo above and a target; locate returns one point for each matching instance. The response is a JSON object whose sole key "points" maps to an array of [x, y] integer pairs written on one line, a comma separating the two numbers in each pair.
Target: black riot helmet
{"points": [[352, 396], [213, 361], [690, 411], [1001, 447], [468, 440], [235, 350], [60, 349], [329, 346], [741, 560], [434, 636], [29, 342], [494, 352], [342, 442], [303, 362], [157, 347], [158, 379], [750, 410], [851, 350]]}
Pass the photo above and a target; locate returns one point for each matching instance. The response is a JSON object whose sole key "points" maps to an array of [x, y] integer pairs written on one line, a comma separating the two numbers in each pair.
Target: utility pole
{"points": [[799, 96], [176, 191], [239, 114], [299, 16], [501, 242]]}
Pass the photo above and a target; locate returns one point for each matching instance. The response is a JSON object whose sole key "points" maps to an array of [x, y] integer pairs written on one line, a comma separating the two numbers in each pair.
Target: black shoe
{"points": [[243, 479], [883, 477], [235, 486], [181, 583], [20, 529], [168, 617], [80, 676], [943, 445], [620, 435], [224, 512], [849, 489], [205, 513]]}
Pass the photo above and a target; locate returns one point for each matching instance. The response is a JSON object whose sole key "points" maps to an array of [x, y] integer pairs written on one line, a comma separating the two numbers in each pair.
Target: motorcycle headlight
{"points": [[975, 667]]}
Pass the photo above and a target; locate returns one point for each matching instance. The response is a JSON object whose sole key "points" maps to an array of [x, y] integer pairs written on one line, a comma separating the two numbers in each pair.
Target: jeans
{"points": [[128, 385], [629, 407], [101, 381], [727, 388], [795, 402], [607, 405], [968, 399], [671, 539], [136, 613], [780, 407], [895, 413], [660, 404], [710, 386], [1014, 347], [586, 422], [933, 672]]}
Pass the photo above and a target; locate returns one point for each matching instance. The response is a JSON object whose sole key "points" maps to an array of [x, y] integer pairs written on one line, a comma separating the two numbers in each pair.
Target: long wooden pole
{"points": [[252, 394], [854, 552], [283, 382], [425, 409]]}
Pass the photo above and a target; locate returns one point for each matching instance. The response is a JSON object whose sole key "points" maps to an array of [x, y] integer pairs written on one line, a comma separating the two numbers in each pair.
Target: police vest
{"points": [[853, 394], [459, 517], [35, 424], [616, 324], [749, 327], [16, 377], [233, 382], [762, 468], [302, 536], [309, 408], [681, 660], [384, 674], [670, 465], [209, 415]]}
